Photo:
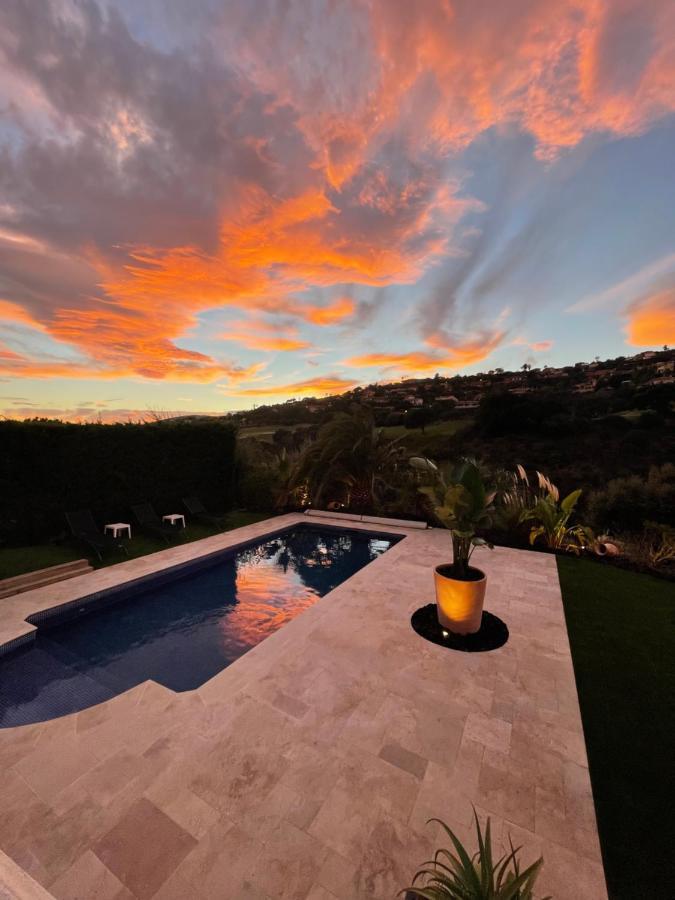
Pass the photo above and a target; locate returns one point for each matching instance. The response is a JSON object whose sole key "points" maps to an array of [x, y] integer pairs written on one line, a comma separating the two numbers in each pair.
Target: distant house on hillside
{"points": [[586, 387]]}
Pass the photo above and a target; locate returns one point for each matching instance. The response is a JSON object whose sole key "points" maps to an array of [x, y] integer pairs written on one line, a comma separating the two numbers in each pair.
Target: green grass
{"points": [[622, 633], [262, 432], [436, 429], [17, 560]]}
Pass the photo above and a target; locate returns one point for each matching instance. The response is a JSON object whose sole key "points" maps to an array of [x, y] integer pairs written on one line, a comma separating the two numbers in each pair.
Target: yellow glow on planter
{"points": [[459, 603]]}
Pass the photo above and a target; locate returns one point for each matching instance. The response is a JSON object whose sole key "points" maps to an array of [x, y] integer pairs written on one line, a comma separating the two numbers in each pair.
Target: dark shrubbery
{"points": [[626, 503], [258, 488], [47, 468]]}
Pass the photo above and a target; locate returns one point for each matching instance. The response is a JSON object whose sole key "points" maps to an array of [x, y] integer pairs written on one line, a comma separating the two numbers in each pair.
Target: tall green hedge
{"points": [[47, 468]]}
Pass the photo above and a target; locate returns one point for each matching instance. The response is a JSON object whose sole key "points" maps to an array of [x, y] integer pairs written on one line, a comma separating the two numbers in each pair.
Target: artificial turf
{"points": [[621, 628]]}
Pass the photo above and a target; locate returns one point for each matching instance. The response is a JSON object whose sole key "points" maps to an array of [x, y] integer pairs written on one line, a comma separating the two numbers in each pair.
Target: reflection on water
{"points": [[182, 633]]}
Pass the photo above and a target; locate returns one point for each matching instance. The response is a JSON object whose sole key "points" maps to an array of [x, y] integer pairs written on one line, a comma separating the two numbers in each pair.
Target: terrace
{"points": [[308, 768]]}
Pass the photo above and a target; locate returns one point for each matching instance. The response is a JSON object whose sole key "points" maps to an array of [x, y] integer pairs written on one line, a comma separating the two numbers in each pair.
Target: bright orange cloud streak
{"points": [[335, 312], [651, 322], [273, 337], [453, 356], [330, 384]]}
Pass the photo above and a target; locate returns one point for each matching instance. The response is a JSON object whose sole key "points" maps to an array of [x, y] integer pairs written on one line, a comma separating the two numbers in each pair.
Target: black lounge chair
{"points": [[200, 513], [151, 523], [84, 528]]}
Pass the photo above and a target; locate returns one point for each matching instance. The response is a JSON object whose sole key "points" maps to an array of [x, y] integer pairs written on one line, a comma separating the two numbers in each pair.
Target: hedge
{"points": [[48, 468]]}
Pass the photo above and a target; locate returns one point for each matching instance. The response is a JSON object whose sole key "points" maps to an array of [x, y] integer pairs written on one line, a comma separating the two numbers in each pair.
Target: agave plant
{"points": [[458, 876], [552, 516], [462, 503]]}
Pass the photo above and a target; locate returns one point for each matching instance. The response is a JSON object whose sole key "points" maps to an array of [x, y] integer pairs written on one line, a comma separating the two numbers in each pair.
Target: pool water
{"points": [[179, 631]]}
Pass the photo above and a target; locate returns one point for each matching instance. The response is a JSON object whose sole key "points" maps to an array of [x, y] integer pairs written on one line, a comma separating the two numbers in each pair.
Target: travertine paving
{"points": [[308, 768]]}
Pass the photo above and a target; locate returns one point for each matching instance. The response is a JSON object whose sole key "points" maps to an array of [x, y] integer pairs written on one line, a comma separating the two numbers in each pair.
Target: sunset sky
{"points": [[206, 205]]}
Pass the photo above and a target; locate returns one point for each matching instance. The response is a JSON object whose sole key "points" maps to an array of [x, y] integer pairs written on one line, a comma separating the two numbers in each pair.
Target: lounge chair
{"points": [[84, 528], [200, 513], [151, 523]]}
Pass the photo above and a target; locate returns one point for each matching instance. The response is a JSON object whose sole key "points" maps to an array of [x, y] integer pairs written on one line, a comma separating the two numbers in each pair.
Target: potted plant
{"points": [[463, 504]]}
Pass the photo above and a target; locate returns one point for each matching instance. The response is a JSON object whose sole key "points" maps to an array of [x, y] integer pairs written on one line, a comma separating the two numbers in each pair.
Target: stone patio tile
{"points": [[191, 813], [567, 876], [486, 730], [17, 743], [442, 795], [312, 769], [47, 772], [289, 863], [404, 759], [144, 848], [567, 831], [102, 783], [345, 822], [510, 794], [337, 875], [389, 787], [365, 727], [318, 892], [288, 704], [431, 731], [389, 859], [567, 744], [222, 864], [89, 879]]}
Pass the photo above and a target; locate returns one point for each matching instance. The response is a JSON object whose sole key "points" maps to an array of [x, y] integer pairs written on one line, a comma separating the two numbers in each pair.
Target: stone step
{"points": [[28, 581]]}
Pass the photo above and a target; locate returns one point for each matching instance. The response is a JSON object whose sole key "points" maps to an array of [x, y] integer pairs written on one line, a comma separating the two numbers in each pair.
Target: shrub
{"points": [[655, 547], [47, 468], [626, 503], [258, 488]]}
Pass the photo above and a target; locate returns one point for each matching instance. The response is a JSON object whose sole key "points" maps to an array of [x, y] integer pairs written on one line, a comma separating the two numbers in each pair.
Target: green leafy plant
{"points": [[462, 503], [553, 515], [350, 460], [479, 877], [515, 498]]}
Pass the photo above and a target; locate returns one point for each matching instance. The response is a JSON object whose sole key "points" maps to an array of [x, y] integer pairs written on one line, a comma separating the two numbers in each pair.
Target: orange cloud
{"points": [[454, 356], [273, 337], [329, 384], [541, 346], [651, 321], [341, 309], [6, 353]]}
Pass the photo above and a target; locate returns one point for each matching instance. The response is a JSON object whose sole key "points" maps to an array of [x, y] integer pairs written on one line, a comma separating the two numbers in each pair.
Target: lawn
{"points": [[265, 432], [622, 633], [17, 560], [437, 429]]}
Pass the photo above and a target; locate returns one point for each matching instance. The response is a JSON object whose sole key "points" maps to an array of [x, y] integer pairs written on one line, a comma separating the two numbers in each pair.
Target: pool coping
{"points": [[23, 612]]}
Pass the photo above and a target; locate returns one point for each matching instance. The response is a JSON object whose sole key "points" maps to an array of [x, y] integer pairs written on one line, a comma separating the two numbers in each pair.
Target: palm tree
{"points": [[349, 455]]}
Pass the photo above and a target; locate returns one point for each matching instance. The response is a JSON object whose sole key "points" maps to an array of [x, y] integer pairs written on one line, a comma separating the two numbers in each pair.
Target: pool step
{"points": [[41, 577]]}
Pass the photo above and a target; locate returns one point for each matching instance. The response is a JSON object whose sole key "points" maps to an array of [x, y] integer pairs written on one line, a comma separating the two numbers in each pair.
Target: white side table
{"points": [[173, 518], [119, 528]]}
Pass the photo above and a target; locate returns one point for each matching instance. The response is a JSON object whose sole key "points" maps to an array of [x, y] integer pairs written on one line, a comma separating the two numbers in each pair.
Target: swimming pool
{"points": [[179, 627]]}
